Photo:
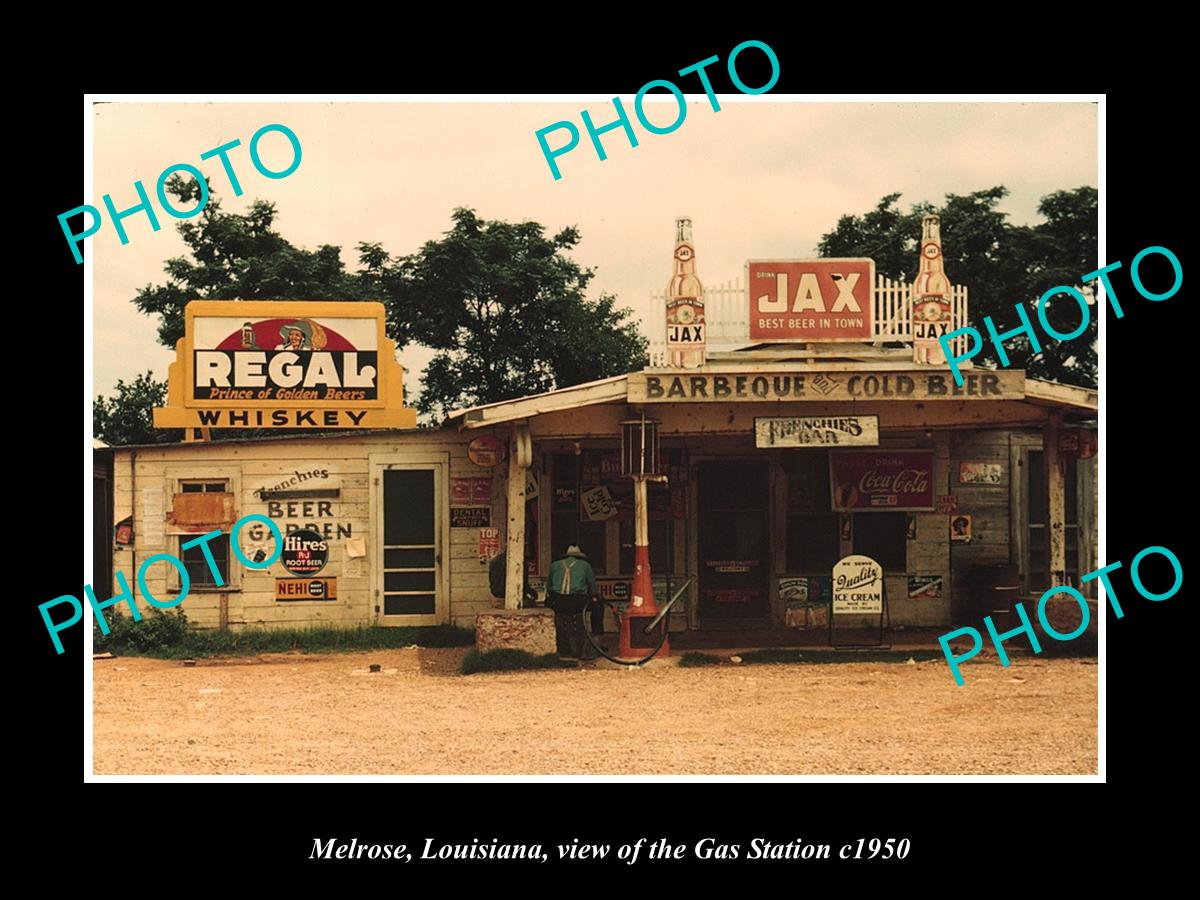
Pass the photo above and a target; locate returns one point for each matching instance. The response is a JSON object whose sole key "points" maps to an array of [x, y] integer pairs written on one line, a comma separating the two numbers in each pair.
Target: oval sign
{"points": [[305, 552], [486, 451], [857, 585]]}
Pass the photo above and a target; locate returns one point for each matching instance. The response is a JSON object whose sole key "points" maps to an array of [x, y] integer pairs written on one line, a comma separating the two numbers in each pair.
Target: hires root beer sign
{"points": [[884, 480], [284, 365], [811, 299]]}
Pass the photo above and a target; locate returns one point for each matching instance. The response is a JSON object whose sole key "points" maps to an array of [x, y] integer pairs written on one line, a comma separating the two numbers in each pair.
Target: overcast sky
{"points": [[761, 178]]}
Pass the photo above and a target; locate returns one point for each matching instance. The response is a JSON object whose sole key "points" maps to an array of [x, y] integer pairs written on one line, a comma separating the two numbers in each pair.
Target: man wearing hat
{"points": [[570, 587]]}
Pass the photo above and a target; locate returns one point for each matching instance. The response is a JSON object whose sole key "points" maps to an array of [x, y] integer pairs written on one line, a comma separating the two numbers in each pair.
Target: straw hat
{"points": [[574, 550]]}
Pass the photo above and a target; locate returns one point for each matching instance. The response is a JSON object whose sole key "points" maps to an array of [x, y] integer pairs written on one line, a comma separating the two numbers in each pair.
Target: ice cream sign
{"points": [[244, 364]]}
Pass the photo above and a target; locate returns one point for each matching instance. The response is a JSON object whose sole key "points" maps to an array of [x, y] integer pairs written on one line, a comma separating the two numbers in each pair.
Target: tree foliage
{"points": [[1000, 263], [127, 417], [506, 311], [503, 305], [240, 257]]}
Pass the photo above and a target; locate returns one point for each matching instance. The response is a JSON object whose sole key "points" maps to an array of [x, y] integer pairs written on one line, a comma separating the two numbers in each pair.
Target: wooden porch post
{"points": [[1056, 549], [519, 457]]}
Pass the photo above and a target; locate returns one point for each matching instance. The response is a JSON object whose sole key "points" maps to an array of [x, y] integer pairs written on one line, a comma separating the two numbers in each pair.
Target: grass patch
{"points": [[692, 660], [785, 655], [168, 636], [507, 660]]}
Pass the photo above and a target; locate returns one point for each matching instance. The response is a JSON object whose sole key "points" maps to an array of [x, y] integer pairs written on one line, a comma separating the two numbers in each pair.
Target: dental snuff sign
{"points": [[857, 585], [279, 364]]}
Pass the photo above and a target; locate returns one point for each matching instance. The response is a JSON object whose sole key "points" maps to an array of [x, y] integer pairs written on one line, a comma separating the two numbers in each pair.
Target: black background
{"points": [[964, 835]]}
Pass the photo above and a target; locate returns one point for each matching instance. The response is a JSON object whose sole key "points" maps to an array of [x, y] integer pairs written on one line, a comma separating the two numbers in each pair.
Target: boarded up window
{"points": [[198, 508]]}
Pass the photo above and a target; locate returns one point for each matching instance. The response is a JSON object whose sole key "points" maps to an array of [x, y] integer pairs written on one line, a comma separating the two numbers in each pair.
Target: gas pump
{"points": [[641, 626]]}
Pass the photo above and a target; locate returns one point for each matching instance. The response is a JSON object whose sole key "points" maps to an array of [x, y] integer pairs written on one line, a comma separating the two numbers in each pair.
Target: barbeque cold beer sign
{"points": [[244, 364]]}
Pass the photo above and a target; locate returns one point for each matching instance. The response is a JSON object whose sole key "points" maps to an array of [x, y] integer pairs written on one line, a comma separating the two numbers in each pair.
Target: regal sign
{"points": [[277, 364], [811, 299], [884, 480]]}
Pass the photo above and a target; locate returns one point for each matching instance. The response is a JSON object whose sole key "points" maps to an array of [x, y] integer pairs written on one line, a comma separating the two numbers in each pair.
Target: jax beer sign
{"points": [[811, 299], [883, 480], [275, 364]]}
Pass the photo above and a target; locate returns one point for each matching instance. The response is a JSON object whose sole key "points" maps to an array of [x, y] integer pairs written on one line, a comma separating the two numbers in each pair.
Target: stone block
{"points": [[531, 630]]}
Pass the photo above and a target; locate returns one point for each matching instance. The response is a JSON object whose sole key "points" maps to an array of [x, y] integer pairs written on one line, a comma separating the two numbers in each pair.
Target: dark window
{"points": [[883, 537], [812, 544], [565, 527], [202, 487], [812, 528], [197, 567]]}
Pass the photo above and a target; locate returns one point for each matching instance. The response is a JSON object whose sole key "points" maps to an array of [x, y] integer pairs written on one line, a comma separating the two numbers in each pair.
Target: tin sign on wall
{"points": [[811, 299], [486, 450], [886, 480], [305, 552], [816, 431], [288, 589]]}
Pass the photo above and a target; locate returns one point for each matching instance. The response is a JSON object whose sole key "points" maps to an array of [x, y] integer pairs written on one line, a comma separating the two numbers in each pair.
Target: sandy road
{"points": [[324, 714]]}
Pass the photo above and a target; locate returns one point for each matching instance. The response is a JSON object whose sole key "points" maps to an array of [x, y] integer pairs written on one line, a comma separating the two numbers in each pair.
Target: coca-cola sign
{"points": [[883, 480]]}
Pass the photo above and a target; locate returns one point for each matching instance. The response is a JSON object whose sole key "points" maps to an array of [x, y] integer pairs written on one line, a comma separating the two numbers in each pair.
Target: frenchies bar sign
{"points": [[882, 480], [268, 364], [816, 431], [811, 299]]}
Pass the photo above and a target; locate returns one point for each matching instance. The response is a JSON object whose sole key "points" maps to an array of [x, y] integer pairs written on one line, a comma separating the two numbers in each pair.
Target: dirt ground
{"points": [[325, 714]]}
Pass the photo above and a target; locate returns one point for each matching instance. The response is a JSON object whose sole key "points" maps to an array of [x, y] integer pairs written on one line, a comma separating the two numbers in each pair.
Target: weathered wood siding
{"points": [[145, 489]]}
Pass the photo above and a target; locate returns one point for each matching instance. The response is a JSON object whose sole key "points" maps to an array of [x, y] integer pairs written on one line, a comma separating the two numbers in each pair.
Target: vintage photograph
{"points": [[419, 453]]}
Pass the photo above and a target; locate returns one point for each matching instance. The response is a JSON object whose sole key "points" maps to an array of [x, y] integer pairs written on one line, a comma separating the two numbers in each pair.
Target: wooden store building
{"points": [[802, 416]]}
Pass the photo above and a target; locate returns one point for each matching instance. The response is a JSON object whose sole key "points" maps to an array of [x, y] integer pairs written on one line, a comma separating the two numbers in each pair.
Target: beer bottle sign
{"points": [[686, 331], [930, 297]]}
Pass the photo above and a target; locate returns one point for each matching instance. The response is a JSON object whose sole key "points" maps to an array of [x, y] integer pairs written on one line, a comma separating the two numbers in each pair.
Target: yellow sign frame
{"points": [[185, 411]]}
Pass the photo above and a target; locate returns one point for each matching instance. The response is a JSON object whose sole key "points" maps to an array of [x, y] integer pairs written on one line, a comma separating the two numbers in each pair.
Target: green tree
{"points": [[240, 257], [505, 309], [1001, 264], [127, 418], [501, 303]]}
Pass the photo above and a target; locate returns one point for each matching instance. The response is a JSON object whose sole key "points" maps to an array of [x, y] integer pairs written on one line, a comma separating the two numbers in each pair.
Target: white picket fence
{"points": [[727, 315]]}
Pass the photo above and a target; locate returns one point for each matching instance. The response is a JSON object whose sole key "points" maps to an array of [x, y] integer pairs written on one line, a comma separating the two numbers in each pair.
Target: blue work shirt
{"points": [[572, 575]]}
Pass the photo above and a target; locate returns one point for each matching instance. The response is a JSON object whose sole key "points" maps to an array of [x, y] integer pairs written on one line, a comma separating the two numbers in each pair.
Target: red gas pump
{"points": [[640, 461]]}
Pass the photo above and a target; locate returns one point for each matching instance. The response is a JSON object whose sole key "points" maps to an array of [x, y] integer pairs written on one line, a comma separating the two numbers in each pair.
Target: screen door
{"points": [[408, 571]]}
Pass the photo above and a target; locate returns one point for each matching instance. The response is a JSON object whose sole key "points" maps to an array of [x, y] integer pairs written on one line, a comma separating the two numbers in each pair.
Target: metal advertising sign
{"points": [[279, 364], [305, 552], [857, 585], [816, 431], [886, 480], [486, 451], [811, 299], [287, 589]]}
